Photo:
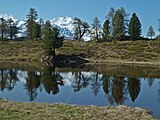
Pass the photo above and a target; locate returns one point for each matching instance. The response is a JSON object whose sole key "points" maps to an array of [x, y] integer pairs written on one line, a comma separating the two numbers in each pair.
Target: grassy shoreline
{"points": [[10, 110]]}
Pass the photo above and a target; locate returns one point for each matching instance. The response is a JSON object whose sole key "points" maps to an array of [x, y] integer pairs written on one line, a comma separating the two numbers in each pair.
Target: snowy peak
{"points": [[65, 25], [62, 21]]}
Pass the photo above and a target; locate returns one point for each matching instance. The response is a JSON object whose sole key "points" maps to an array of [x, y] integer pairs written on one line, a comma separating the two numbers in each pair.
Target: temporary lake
{"points": [[100, 85]]}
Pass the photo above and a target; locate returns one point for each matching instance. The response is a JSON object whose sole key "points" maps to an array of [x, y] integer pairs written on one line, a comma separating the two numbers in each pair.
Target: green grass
{"points": [[123, 51], [135, 51], [21, 51], [43, 111]]}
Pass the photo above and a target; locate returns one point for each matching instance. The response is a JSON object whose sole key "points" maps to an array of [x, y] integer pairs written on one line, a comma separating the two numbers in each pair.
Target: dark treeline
{"points": [[116, 88]]}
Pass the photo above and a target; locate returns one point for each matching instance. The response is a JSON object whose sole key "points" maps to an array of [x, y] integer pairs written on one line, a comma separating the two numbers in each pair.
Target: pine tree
{"points": [[118, 25], [134, 27], [36, 32], [106, 30], [32, 16], [51, 39], [150, 32], [96, 28], [125, 15], [110, 17], [3, 27], [81, 27]]}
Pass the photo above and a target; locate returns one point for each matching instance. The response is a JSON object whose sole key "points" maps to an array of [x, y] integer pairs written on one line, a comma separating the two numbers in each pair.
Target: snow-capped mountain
{"points": [[64, 24]]}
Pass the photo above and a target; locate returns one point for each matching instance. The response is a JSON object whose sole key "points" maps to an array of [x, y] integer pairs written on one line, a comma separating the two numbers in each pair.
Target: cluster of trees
{"points": [[43, 30], [35, 30], [8, 29], [117, 26]]}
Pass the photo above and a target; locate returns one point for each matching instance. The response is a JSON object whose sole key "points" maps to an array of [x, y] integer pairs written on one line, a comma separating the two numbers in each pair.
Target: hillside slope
{"points": [[120, 51], [124, 51]]}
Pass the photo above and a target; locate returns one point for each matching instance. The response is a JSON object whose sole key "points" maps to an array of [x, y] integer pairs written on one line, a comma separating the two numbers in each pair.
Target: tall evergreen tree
{"points": [[81, 27], [51, 39], [32, 16], [106, 30], [134, 29], [41, 23], [125, 15], [118, 25], [150, 32], [3, 27], [36, 32], [110, 17], [96, 28]]}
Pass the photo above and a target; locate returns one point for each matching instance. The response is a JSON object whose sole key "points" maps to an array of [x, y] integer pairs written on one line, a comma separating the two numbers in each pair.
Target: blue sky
{"points": [[147, 10]]}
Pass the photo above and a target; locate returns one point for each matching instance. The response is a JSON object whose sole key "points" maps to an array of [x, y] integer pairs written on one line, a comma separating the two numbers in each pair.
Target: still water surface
{"points": [[100, 86]]}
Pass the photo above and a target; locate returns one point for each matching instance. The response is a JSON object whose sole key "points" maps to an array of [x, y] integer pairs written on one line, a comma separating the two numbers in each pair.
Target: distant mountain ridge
{"points": [[64, 24]]}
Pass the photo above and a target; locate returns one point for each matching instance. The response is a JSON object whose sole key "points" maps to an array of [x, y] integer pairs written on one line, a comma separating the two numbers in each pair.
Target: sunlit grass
{"points": [[136, 51], [43, 111]]}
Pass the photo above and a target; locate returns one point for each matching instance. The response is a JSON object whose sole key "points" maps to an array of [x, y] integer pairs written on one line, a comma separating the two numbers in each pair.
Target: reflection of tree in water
{"points": [[32, 84], [115, 88], [80, 81], [83, 79], [96, 83], [150, 81], [106, 84], [118, 89], [158, 92], [51, 80], [134, 87], [8, 79]]}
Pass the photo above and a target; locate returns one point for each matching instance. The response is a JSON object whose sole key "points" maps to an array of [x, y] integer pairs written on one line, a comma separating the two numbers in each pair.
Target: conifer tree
{"points": [[150, 32], [32, 16], [106, 30], [3, 27], [118, 25], [96, 28], [110, 17], [51, 39], [36, 32], [134, 29]]}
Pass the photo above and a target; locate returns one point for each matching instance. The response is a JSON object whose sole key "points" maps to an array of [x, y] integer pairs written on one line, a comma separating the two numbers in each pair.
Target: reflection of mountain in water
{"points": [[116, 88]]}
